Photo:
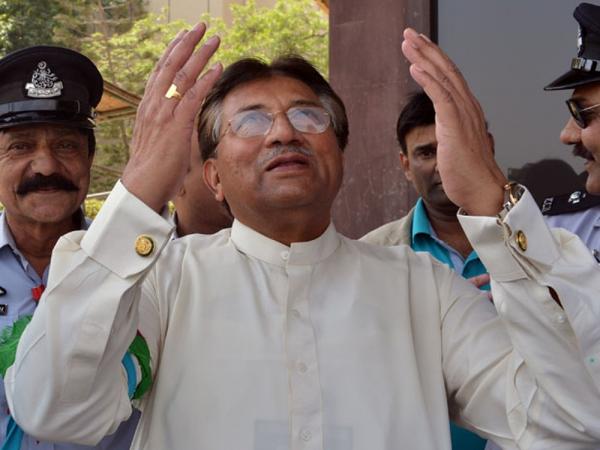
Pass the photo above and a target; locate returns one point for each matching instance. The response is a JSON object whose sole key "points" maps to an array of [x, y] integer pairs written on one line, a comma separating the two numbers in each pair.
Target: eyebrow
{"points": [[428, 146]]}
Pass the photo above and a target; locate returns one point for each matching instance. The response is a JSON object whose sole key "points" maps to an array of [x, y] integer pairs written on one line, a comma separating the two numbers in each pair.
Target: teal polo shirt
{"points": [[423, 239]]}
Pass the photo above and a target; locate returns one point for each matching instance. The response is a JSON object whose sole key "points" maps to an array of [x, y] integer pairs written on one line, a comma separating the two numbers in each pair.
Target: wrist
{"points": [[488, 202]]}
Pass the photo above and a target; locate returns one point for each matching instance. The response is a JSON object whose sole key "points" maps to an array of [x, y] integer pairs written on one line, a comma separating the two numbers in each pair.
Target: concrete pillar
{"points": [[369, 72]]}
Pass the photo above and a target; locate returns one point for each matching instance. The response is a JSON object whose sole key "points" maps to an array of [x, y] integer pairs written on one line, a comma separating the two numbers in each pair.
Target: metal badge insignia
{"points": [[547, 205], [3, 309], [579, 41], [2, 291], [44, 83], [576, 197]]}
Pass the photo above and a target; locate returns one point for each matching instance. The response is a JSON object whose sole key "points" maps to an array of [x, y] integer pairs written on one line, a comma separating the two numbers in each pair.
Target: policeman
{"points": [[578, 211], [47, 101]]}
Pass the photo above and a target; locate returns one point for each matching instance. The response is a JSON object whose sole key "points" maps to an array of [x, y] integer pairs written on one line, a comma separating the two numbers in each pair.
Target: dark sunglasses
{"points": [[578, 113]]}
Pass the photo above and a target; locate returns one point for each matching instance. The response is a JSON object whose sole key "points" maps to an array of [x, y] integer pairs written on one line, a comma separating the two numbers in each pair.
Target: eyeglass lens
{"points": [[575, 111], [306, 119]]}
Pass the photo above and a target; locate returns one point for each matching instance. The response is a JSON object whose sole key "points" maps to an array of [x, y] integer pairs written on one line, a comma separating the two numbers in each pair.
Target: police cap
{"points": [[46, 84], [585, 67]]}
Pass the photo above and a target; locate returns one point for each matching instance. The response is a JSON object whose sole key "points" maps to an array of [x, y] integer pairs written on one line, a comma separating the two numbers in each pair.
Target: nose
{"points": [[571, 133], [44, 161], [282, 131]]}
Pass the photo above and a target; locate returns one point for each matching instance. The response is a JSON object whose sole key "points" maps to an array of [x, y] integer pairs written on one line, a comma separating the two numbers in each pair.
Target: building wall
{"points": [[370, 75], [191, 10]]}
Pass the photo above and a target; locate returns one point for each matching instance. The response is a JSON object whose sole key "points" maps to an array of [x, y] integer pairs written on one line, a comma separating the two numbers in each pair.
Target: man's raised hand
{"points": [[160, 147], [470, 175]]}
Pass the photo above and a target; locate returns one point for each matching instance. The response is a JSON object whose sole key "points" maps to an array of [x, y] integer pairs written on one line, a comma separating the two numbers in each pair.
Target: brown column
{"points": [[368, 71]]}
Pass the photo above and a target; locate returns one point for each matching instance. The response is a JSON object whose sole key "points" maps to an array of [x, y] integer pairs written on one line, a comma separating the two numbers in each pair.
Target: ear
{"points": [[405, 164], [212, 179]]}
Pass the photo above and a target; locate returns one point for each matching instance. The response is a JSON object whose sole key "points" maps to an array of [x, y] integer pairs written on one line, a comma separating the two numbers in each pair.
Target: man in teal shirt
{"points": [[431, 226]]}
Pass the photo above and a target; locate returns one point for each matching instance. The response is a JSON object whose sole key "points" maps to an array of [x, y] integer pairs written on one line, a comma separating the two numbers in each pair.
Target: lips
{"points": [[288, 160]]}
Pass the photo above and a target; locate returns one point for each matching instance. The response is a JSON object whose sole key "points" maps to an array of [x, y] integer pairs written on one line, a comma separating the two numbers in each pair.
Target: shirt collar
{"points": [[5, 234], [259, 246], [421, 224]]}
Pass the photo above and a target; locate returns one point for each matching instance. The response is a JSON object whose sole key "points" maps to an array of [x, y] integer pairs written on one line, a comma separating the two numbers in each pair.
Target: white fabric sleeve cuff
{"points": [[111, 238], [499, 244]]}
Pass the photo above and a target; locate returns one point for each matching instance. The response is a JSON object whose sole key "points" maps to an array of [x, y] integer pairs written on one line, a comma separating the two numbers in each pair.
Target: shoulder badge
{"points": [[44, 83], [569, 203]]}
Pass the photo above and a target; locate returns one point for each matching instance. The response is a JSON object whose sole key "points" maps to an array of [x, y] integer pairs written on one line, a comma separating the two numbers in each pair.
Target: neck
{"points": [[196, 224], [448, 229], [289, 226], [36, 240]]}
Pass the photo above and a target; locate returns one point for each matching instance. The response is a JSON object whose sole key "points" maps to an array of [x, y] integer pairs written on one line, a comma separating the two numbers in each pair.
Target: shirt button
{"points": [[285, 255], [521, 240], [592, 360], [560, 318], [296, 313], [302, 368], [144, 245], [306, 435]]}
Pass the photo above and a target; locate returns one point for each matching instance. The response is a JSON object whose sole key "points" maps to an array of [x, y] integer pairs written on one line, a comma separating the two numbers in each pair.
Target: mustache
{"points": [[39, 182], [581, 151], [282, 149]]}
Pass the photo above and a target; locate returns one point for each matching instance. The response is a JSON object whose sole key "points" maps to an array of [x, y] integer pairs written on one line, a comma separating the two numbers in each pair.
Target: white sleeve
{"points": [[67, 382], [552, 394]]}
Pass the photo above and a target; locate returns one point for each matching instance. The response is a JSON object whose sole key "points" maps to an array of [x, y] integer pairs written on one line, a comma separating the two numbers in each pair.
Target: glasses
{"points": [[254, 122], [578, 113]]}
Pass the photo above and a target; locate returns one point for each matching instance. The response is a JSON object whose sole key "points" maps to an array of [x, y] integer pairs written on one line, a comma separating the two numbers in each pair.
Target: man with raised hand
{"points": [[281, 333]]}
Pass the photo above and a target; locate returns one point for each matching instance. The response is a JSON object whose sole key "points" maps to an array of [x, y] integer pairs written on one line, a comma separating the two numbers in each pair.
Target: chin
{"points": [[592, 184]]}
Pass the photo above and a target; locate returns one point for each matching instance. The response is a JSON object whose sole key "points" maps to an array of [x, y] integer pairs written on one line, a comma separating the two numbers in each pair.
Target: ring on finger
{"points": [[172, 92]]}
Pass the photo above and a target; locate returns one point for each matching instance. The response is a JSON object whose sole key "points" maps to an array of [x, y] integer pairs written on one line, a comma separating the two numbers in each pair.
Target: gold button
{"points": [[144, 245], [521, 240]]}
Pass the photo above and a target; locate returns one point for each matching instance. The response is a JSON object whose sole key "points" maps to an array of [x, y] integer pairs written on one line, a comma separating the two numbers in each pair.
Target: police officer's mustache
{"points": [[41, 182], [582, 152]]}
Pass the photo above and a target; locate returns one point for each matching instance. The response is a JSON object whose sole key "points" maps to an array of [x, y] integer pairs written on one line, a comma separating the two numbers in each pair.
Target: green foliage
{"points": [[91, 207], [62, 22], [291, 27], [127, 59], [25, 23]]}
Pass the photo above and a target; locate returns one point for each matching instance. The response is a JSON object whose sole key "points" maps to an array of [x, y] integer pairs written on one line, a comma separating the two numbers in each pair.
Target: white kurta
{"points": [[331, 344]]}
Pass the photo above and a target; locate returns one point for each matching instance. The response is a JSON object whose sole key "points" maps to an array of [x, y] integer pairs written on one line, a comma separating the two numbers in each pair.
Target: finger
{"points": [[163, 58], [432, 59], [185, 77], [177, 58], [190, 104], [443, 102]]}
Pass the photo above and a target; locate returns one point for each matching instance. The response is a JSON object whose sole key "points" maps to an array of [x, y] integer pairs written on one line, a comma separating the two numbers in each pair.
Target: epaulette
{"points": [[569, 203]]}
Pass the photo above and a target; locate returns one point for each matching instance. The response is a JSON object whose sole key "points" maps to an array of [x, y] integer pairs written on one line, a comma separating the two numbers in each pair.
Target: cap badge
{"points": [[44, 83], [579, 41], [576, 197]]}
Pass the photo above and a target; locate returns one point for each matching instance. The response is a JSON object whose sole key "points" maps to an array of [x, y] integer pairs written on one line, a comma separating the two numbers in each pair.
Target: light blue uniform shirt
{"points": [[17, 278], [424, 239], [585, 224]]}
